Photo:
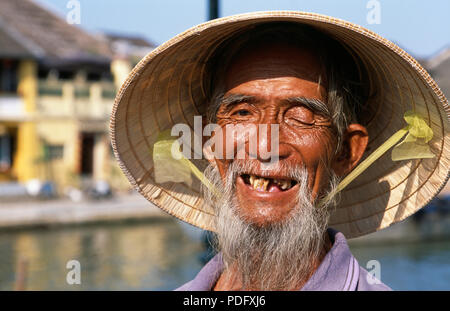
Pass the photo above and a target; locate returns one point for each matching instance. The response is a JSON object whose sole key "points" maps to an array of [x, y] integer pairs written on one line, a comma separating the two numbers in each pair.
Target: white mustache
{"points": [[287, 170]]}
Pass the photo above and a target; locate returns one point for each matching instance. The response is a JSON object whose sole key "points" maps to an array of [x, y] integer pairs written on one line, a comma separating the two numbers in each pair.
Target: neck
{"points": [[229, 280]]}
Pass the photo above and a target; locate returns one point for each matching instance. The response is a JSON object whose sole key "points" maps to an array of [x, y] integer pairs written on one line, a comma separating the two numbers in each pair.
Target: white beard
{"points": [[275, 257]]}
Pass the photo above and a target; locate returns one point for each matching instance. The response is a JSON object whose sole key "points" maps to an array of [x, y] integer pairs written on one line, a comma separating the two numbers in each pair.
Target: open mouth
{"points": [[266, 184]]}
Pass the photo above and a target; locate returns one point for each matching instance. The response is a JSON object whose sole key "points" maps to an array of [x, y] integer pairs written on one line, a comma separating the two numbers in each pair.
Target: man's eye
{"points": [[299, 115], [242, 113]]}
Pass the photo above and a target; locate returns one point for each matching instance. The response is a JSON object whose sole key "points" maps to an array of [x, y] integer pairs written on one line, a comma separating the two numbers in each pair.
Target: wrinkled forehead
{"points": [[273, 60]]}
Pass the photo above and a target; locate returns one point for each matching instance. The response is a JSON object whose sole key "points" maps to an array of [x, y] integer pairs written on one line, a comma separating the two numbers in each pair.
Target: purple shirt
{"points": [[338, 271]]}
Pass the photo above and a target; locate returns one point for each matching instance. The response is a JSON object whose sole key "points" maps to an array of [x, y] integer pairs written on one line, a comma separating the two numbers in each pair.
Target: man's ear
{"points": [[354, 144]]}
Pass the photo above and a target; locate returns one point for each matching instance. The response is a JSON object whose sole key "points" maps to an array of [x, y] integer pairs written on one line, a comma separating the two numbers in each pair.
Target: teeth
{"points": [[265, 184], [259, 183], [255, 183]]}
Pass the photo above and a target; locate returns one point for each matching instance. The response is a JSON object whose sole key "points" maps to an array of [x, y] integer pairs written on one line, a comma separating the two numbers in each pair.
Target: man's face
{"points": [[275, 80]]}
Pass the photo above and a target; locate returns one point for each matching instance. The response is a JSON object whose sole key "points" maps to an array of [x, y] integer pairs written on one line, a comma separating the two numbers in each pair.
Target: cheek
{"points": [[326, 144], [220, 141], [224, 145], [315, 146], [318, 153], [314, 150], [230, 140]]}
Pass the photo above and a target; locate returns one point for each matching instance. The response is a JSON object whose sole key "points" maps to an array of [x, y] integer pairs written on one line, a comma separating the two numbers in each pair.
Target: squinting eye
{"points": [[299, 115], [242, 112]]}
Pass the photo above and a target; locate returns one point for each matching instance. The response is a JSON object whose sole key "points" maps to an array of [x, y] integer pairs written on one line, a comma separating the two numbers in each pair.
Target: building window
{"points": [[8, 137], [82, 92], [5, 153], [66, 75], [43, 73], [46, 89], [8, 76], [93, 76]]}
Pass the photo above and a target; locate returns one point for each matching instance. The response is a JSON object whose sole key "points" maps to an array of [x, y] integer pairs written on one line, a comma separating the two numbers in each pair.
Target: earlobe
{"points": [[354, 144]]}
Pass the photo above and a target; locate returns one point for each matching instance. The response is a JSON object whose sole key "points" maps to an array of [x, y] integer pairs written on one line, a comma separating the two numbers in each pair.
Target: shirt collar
{"points": [[338, 271]]}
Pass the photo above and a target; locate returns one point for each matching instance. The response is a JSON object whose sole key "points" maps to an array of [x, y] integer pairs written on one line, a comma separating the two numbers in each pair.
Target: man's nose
{"points": [[268, 144]]}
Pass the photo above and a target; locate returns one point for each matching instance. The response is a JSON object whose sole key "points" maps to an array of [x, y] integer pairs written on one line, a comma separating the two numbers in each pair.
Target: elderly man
{"points": [[272, 217], [284, 75]]}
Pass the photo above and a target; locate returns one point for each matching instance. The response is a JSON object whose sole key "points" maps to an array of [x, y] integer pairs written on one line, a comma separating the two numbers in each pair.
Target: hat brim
{"points": [[166, 88]]}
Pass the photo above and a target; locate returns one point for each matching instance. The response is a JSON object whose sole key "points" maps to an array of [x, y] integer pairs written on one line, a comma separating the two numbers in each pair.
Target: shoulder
{"points": [[207, 277], [186, 287], [367, 282]]}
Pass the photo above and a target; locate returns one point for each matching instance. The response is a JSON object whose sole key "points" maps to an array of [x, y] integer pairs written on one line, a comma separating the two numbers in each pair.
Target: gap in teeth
{"points": [[261, 183]]}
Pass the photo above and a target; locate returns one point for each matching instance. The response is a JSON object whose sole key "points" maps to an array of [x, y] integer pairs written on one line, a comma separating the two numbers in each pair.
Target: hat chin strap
{"points": [[414, 146]]}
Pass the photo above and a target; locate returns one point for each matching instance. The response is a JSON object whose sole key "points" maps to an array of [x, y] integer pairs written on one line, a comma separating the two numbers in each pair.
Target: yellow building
{"points": [[57, 87]]}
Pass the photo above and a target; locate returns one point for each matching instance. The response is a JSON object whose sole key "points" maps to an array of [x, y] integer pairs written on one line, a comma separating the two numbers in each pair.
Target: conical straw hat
{"points": [[166, 88]]}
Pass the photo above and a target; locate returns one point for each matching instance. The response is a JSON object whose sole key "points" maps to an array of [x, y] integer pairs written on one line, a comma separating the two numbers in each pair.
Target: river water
{"points": [[164, 255]]}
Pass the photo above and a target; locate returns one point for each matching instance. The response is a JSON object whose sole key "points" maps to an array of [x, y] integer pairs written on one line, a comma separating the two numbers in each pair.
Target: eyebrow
{"points": [[234, 99], [313, 104]]}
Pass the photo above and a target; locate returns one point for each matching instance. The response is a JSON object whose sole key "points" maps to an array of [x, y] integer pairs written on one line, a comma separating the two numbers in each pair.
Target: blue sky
{"points": [[420, 27]]}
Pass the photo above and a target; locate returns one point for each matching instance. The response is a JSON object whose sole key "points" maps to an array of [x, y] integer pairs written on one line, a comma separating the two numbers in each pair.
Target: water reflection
{"points": [[132, 256], [165, 255], [421, 265]]}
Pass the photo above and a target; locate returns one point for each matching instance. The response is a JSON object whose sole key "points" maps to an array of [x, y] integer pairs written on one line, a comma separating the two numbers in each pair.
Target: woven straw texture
{"points": [[166, 88]]}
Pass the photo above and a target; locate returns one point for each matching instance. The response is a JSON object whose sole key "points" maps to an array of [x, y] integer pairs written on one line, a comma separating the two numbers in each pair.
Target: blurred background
{"points": [[62, 194]]}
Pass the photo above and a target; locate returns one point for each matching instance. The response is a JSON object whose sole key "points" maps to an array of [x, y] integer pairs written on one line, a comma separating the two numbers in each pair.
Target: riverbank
{"points": [[433, 221], [57, 212]]}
